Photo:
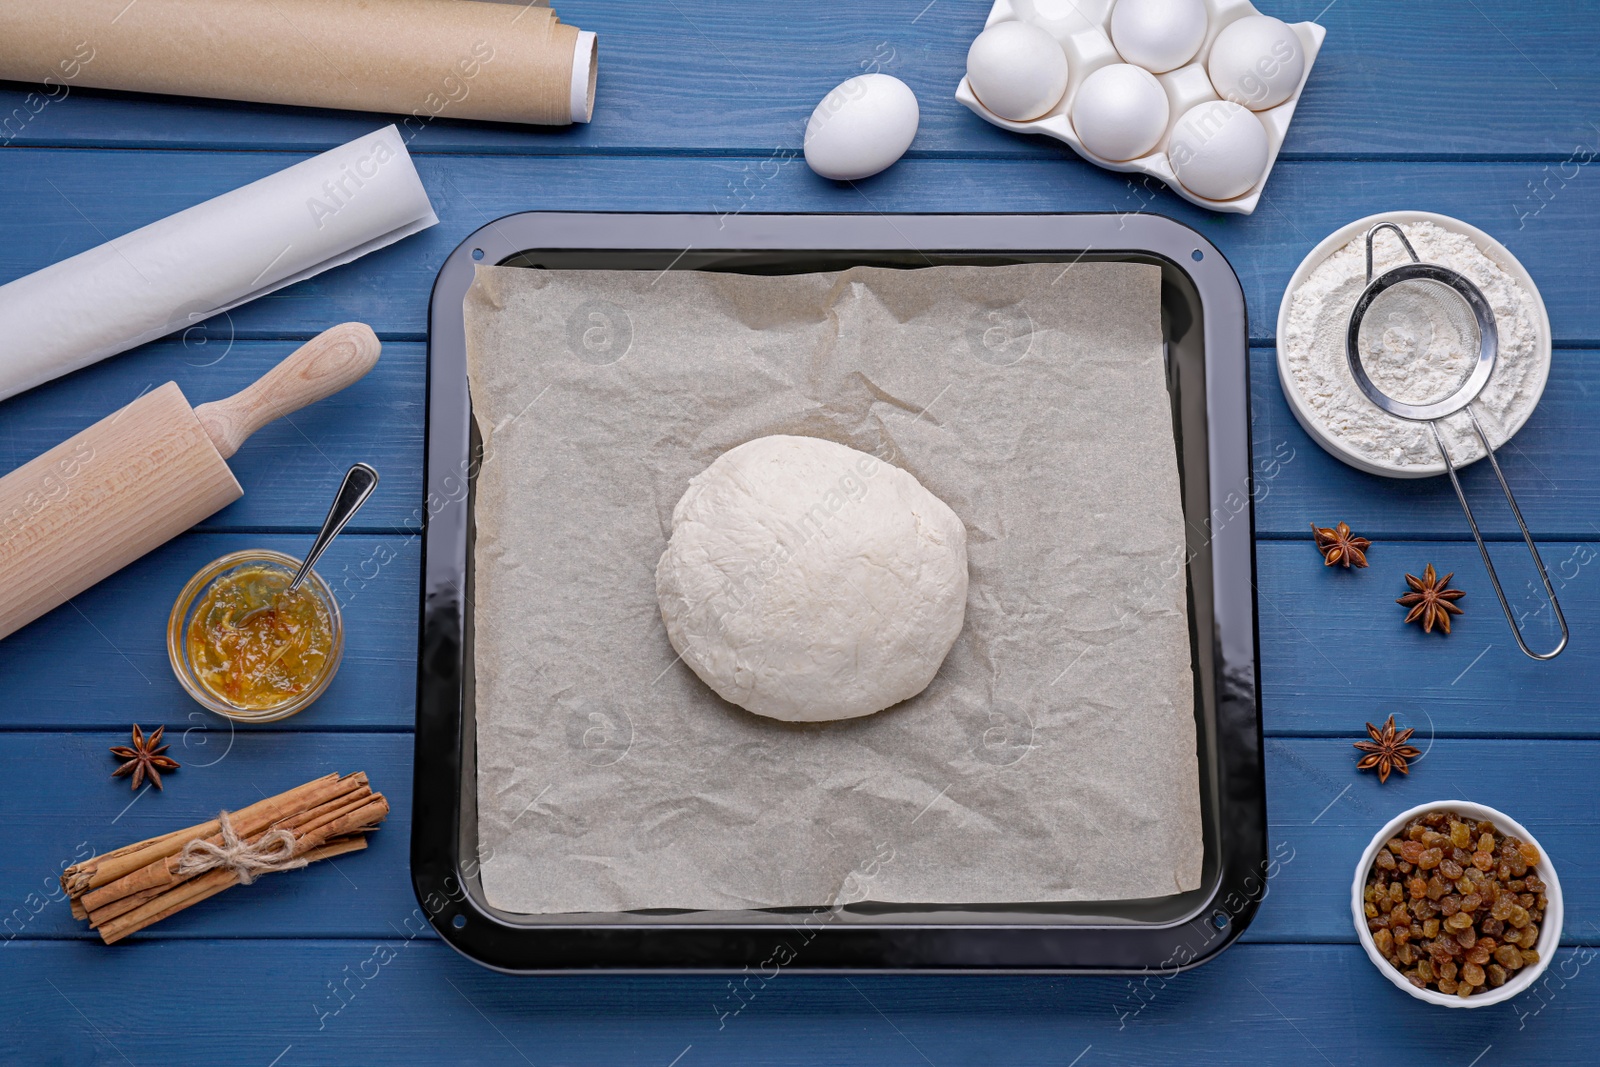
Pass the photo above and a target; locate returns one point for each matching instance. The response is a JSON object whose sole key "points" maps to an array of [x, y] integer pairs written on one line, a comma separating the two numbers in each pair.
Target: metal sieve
{"points": [[1438, 298]]}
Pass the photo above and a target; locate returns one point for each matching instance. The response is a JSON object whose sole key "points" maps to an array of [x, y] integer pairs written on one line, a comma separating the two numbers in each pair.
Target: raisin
{"points": [[1394, 845], [1471, 902], [1480, 955], [1486, 843], [1473, 974], [1497, 976], [1459, 921], [1492, 927], [1447, 985], [1384, 940], [1449, 905], [1467, 936], [1385, 860], [1460, 836], [1484, 861], [1417, 981], [1502, 908], [1529, 853], [1447, 867], [1429, 859], [1437, 887], [1412, 851], [1519, 916], [1430, 928], [1462, 857], [1425, 971], [1529, 957], [1509, 956], [1464, 990], [1407, 954], [1417, 886], [1534, 884]]}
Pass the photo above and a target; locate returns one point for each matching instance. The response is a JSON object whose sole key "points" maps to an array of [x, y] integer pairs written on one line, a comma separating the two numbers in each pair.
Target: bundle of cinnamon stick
{"points": [[126, 890]]}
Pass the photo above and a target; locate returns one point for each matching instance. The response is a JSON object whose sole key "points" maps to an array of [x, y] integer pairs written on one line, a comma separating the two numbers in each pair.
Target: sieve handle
{"points": [[1398, 232], [1483, 549]]}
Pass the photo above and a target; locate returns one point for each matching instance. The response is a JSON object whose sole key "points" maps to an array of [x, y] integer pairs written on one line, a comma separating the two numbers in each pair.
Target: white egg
{"points": [[1218, 150], [1158, 35], [1257, 61], [1017, 70], [861, 127], [1120, 112]]}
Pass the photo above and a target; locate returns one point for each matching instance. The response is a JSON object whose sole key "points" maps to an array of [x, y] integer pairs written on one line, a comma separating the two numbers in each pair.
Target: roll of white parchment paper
{"points": [[171, 274]]}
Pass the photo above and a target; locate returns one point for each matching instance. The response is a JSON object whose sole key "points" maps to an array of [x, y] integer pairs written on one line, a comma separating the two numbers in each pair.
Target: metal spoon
{"points": [[359, 482]]}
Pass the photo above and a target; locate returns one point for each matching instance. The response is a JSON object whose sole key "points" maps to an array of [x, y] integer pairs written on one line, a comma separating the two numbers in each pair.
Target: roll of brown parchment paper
{"points": [[426, 59]]}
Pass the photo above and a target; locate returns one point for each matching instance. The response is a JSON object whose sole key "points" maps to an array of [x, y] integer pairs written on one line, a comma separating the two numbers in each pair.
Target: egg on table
{"points": [[861, 127], [1218, 150], [1257, 62], [1017, 70], [1120, 112], [1158, 35]]}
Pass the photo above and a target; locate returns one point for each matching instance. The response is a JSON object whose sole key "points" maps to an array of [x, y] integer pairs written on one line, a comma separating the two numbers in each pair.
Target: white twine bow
{"points": [[272, 851]]}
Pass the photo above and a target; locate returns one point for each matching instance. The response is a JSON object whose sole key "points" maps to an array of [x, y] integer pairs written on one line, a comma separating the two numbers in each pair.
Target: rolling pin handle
{"points": [[333, 359]]}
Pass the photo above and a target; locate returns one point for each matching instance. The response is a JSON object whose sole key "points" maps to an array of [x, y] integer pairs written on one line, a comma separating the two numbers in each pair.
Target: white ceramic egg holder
{"points": [[1083, 29]]}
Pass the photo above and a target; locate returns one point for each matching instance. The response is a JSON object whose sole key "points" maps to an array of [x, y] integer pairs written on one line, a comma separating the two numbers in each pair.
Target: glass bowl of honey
{"points": [[244, 647]]}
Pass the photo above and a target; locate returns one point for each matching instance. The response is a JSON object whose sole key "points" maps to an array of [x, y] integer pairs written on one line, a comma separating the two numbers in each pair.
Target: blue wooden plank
{"points": [[358, 895], [77, 199], [291, 1003], [1323, 813], [1299, 482], [1419, 80], [1335, 651], [290, 468], [101, 660]]}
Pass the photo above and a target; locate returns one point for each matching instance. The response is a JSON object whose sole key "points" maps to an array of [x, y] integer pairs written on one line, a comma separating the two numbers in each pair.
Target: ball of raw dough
{"points": [[808, 581]]}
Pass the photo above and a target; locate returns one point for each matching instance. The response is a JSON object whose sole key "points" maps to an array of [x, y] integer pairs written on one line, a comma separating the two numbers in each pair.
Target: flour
{"points": [[1416, 365]]}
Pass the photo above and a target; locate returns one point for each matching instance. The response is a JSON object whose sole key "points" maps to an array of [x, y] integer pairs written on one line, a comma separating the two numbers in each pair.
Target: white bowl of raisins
{"points": [[1457, 904]]}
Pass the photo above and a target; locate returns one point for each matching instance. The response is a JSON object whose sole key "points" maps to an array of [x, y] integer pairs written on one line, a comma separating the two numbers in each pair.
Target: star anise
{"points": [[1387, 750], [145, 757], [1338, 546], [1430, 600]]}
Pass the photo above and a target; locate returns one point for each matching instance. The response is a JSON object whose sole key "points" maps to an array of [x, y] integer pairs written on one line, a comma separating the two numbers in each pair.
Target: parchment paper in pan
{"points": [[1052, 759]]}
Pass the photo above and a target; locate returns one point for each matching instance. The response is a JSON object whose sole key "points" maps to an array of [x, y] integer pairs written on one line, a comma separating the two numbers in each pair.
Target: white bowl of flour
{"points": [[1322, 393]]}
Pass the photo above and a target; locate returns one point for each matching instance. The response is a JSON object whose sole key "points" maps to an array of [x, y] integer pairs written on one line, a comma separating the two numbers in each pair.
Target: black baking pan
{"points": [[1204, 322]]}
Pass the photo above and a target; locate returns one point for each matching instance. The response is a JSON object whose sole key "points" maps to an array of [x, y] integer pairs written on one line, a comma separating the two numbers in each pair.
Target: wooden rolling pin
{"points": [[136, 479]]}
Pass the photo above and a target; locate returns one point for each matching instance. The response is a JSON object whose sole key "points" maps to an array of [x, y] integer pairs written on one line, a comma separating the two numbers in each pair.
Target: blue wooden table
{"points": [[1488, 112]]}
